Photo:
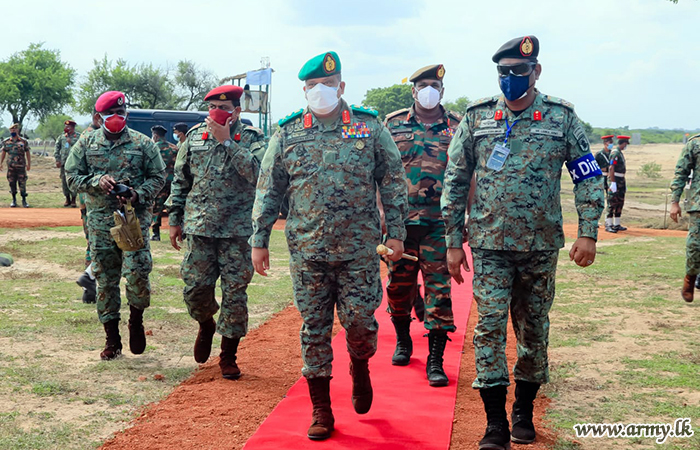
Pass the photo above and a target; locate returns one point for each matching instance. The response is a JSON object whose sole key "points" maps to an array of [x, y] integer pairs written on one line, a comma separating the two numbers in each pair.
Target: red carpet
{"points": [[406, 413]]}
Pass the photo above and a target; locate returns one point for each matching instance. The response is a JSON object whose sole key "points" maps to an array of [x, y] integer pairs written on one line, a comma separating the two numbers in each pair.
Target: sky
{"points": [[620, 62]]}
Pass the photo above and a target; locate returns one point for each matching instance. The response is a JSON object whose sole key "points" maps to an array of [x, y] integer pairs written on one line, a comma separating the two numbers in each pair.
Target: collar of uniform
{"points": [[333, 125], [123, 138], [526, 114], [412, 116], [236, 127]]}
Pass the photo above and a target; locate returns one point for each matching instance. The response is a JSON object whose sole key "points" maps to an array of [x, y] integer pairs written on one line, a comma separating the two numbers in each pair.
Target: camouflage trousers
{"points": [[64, 184], [692, 245], [159, 205], [427, 242], [206, 259], [617, 200], [83, 218], [354, 287], [17, 175], [524, 283], [110, 264]]}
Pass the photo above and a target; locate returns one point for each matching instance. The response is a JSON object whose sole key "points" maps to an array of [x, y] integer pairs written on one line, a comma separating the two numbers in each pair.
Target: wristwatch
{"points": [[227, 143]]}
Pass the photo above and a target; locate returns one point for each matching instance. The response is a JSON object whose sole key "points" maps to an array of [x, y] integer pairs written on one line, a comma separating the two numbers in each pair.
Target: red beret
{"points": [[225, 92], [624, 137], [69, 122], [109, 100], [609, 136]]}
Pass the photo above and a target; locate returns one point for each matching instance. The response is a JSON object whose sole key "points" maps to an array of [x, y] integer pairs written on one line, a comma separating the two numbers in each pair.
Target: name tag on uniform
{"points": [[498, 157], [132, 152], [303, 136], [196, 142], [487, 123], [198, 148], [583, 168], [545, 132], [494, 131]]}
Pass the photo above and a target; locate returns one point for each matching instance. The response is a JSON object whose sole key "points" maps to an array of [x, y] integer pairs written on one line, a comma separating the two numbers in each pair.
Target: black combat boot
{"points": [[227, 358], [523, 431], [322, 415], [697, 282], [437, 339], [156, 233], [610, 229], [202, 345], [113, 343], [362, 393], [497, 435], [137, 335], [14, 201], [24, 201], [404, 344], [66, 204], [620, 228], [89, 288]]}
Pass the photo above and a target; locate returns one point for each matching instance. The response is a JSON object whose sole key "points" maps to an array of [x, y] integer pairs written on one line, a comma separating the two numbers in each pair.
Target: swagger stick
{"points": [[384, 250]]}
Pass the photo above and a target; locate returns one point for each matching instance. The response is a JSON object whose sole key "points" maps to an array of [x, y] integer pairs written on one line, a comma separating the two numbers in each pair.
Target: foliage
{"points": [[459, 105], [51, 127], [192, 84], [35, 82], [389, 99], [649, 135], [650, 170]]}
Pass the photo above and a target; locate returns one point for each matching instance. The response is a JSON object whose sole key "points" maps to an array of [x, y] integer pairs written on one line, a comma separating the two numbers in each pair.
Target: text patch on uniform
{"points": [[583, 168]]}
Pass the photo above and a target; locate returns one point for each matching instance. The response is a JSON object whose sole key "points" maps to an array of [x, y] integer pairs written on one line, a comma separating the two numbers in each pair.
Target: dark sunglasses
{"points": [[518, 70]]}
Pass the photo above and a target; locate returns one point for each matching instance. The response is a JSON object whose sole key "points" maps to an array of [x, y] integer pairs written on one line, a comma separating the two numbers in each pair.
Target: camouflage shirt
{"points": [[214, 186], [518, 208], [688, 162], [603, 160], [63, 145], [16, 149], [423, 149], [617, 162], [132, 159], [331, 174], [168, 152]]}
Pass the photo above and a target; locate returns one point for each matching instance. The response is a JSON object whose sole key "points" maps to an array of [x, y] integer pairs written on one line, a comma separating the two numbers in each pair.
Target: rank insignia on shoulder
{"points": [[537, 115], [447, 132], [357, 130], [346, 116], [308, 120], [498, 115]]}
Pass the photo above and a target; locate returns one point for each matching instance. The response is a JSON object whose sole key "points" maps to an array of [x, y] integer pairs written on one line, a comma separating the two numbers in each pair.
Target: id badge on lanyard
{"points": [[500, 152]]}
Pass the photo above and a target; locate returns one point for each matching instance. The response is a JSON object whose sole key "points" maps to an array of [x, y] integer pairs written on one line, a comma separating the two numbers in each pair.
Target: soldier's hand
{"points": [[675, 212], [220, 132], [583, 251], [29, 167], [456, 259], [261, 260], [176, 237], [397, 247], [107, 183], [58, 164], [134, 198]]}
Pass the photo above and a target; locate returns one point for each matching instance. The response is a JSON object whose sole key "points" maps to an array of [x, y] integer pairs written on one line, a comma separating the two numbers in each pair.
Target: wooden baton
{"points": [[384, 250]]}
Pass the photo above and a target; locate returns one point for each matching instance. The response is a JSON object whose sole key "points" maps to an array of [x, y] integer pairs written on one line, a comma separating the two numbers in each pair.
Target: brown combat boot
{"points": [[322, 415], [202, 346], [137, 335], [113, 343], [361, 385], [688, 288], [227, 358]]}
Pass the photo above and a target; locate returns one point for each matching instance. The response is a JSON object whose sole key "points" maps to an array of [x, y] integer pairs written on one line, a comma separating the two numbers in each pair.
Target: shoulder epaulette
{"points": [[291, 116], [364, 110], [693, 137], [558, 101], [397, 113], [253, 129], [482, 101], [454, 116], [194, 127]]}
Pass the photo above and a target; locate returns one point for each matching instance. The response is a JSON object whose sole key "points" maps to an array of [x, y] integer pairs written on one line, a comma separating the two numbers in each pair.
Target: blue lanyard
{"points": [[509, 128]]}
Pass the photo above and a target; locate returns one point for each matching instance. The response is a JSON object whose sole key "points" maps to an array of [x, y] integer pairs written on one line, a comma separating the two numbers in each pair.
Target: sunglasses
{"points": [[518, 70]]}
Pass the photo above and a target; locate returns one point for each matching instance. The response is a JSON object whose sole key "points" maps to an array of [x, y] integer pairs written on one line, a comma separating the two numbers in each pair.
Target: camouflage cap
{"points": [[525, 47], [436, 72], [323, 65]]}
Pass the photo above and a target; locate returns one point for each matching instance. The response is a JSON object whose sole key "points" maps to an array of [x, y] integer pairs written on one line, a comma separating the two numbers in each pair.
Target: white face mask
{"points": [[322, 99], [428, 97]]}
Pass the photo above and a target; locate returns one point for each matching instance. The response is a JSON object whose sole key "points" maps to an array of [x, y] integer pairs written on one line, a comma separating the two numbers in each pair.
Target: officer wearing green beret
{"points": [[516, 144], [330, 159]]}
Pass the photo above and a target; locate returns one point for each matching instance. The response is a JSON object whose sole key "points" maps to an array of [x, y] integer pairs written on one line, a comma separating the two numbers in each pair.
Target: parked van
{"points": [[143, 119]]}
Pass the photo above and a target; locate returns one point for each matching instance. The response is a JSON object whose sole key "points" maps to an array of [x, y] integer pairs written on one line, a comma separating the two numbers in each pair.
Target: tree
{"points": [[459, 105], [192, 84], [153, 89], [35, 82], [389, 99], [106, 76], [52, 126]]}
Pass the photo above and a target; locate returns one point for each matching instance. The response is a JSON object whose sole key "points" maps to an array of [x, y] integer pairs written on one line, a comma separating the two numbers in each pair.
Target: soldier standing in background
{"points": [[211, 202], [516, 144], [63, 145], [180, 133], [168, 152], [422, 134], [19, 162], [617, 184], [330, 159], [603, 160]]}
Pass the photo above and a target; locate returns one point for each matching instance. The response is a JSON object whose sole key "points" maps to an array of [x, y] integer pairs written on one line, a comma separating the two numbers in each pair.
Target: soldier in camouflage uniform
{"points": [[180, 133], [689, 162], [212, 198], [97, 162], [617, 185], [19, 161], [168, 152], [516, 145], [603, 160], [330, 159], [63, 145], [422, 134]]}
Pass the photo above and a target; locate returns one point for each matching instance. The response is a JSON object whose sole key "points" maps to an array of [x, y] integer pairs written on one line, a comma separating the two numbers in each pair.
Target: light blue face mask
{"points": [[176, 137], [610, 146]]}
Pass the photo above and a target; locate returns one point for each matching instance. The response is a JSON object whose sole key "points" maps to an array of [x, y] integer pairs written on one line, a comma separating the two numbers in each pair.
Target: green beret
{"points": [[6, 260], [323, 65], [435, 72]]}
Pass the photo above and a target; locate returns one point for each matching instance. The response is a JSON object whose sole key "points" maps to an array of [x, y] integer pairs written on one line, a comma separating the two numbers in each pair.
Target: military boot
{"points": [[361, 385], [24, 201], [227, 358], [202, 346], [688, 288], [322, 415], [137, 335], [66, 204], [437, 339], [619, 228], [14, 201], [523, 431], [497, 435], [72, 202], [156, 233], [404, 344], [697, 282], [113, 342], [89, 288], [610, 229]]}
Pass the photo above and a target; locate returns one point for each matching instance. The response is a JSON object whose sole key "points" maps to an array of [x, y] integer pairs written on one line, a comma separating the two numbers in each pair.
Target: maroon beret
{"points": [[69, 122], [109, 100], [225, 92]]}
